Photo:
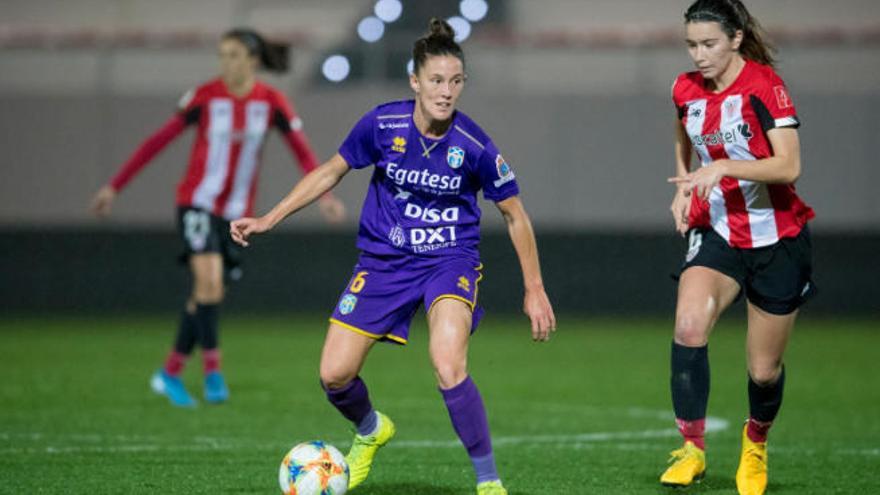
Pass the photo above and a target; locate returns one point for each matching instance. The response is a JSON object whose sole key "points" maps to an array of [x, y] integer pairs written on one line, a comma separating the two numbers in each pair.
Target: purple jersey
{"points": [[423, 195]]}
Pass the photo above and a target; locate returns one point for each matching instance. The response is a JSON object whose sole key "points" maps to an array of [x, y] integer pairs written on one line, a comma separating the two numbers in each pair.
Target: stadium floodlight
{"points": [[336, 68], [371, 29], [410, 67], [473, 10], [388, 10], [461, 26]]}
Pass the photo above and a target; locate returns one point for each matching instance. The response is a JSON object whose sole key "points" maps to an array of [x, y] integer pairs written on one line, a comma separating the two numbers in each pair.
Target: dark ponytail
{"points": [[733, 16], [439, 40], [274, 57]]}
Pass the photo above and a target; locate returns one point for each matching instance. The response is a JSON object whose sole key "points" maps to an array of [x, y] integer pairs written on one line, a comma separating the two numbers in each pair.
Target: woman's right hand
{"points": [[243, 228], [681, 209], [102, 202]]}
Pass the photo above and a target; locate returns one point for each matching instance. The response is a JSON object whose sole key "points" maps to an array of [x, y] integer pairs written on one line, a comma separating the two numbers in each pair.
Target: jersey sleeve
{"points": [[190, 106], [291, 127], [495, 175], [773, 106], [677, 98], [360, 149]]}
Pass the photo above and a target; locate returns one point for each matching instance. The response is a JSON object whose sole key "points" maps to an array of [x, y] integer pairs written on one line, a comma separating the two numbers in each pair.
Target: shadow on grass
{"points": [[416, 489], [709, 484], [406, 489]]}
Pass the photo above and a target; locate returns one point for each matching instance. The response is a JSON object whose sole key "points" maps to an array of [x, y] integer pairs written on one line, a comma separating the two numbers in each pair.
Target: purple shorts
{"points": [[384, 293]]}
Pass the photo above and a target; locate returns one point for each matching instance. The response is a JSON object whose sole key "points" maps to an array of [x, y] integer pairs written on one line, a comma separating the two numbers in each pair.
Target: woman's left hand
{"points": [[537, 307], [703, 179]]}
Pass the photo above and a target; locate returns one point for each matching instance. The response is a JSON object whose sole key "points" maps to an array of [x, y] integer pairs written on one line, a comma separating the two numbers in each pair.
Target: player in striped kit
{"points": [[231, 114], [419, 236], [746, 225]]}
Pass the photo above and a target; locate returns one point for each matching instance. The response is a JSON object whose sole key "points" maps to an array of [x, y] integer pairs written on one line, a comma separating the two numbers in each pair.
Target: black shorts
{"points": [[203, 232], [775, 278]]}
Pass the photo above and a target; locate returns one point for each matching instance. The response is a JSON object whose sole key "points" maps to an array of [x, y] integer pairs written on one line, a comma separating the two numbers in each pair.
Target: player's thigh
{"points": [[703, 294], [766, 341], [207, 270], [343, 355], [449, 326]]}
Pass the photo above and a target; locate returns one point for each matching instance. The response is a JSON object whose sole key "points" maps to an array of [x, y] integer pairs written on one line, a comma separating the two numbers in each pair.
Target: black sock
{"points": [[187, 333], [690, 381], [207, 321], [764, 402]]}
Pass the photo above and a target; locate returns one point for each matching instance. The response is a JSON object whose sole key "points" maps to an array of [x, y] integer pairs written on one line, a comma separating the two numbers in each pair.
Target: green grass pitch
{"points": [[588, 413]]}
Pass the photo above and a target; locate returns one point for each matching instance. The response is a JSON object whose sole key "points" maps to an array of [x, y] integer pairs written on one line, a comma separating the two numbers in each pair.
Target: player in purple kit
{"points": [[419, 235]]}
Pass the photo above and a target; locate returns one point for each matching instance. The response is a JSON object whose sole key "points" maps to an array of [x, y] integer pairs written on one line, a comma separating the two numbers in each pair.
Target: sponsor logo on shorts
{"points": [[347, 304], [399, 144], [464, 284], [505, 173], [455, 157], [694, 243]]}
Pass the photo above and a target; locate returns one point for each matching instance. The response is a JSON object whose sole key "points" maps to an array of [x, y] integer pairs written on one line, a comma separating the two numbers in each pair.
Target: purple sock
{"points": [[353, 402], [468, 417]]}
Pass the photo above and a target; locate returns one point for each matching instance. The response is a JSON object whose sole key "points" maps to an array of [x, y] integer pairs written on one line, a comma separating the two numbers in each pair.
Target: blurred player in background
{"points": [[419, 236], [232, 114], [746, 226]]}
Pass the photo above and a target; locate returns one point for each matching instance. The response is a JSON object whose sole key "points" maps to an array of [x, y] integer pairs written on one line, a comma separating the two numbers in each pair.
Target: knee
{"points": [[449, 373], [334, 378], [208, 290], [766, 374], [691, 330]]}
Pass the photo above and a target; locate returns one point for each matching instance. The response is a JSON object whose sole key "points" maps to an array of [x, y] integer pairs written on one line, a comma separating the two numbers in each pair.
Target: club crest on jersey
{"points": [[347, 303], [505, 173], [455, 157], [399, 144]]}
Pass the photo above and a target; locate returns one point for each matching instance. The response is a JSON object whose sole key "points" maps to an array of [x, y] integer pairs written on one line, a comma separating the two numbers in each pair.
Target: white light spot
{"points": [[410, 66], [371, 29], [461, 26], [388, 10], [336, 68], [473, 10]]}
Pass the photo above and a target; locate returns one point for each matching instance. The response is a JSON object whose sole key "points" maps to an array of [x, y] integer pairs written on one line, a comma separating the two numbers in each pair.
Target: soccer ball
{"points": [[313, 468]]}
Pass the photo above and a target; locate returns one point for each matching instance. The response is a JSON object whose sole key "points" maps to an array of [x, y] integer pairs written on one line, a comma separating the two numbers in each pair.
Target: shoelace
{"points": [[757, 464], [677, 455]]}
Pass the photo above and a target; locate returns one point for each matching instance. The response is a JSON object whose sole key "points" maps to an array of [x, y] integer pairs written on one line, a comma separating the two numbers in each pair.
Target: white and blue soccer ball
{"points": [[313, 468]]}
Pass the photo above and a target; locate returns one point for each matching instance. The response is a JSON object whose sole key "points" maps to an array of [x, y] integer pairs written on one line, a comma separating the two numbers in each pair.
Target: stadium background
{"points": [[576, 94]]}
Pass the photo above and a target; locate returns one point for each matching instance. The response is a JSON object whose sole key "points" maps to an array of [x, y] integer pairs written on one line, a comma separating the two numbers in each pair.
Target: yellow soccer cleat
{"points": [[491, 488], [363, 449], [688, 466], [751, 476]]}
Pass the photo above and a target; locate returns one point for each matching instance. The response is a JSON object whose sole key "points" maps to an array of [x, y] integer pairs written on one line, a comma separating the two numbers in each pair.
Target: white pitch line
{"points": [[712, 425], [215, 444]]}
